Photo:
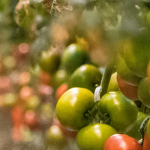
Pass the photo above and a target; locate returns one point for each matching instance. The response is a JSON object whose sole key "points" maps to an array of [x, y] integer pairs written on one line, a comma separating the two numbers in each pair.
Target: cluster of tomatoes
{"points": [[118, 119]]}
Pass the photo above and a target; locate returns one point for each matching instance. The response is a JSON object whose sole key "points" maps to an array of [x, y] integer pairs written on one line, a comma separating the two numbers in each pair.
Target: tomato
{"points": [[86, 76], [136, 54], [93, 137], [54, 137], [143, 92], [113, 85], [134, 132], [61, 90], [125, 73], [128, 90], [72, 106], [50, 61], [61, 76], [121, 110], [146, 142], [122, 142], [73, 57], [67, 133]]}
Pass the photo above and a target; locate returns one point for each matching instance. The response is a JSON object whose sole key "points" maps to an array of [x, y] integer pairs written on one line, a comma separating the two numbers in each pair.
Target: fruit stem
{"points": [[109, 69]]}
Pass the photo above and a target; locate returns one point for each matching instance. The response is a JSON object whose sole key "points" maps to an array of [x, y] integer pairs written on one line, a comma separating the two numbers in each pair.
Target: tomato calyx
{"points": [[104, 118], [96, 116], [91, 114]]}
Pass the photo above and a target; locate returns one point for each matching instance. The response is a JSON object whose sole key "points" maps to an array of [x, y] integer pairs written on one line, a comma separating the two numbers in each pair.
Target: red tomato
{"points": [[122, 142], [128, 90], [146, 143], [62, 89]]}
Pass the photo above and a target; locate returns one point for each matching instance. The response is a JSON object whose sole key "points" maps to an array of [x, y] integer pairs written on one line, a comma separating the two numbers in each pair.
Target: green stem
{"points": [[106, 77]]}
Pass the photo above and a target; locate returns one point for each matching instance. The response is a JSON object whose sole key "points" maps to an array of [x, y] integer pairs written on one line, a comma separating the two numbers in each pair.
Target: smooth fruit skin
{"points": [[86, 76], [93, 137], [134, 132], [136, 54], [121, 110], [72, 107], [50, 61], [60, 77], [73, 57], [146, 142], [54, 137], [61, 90], [113, 84], [128, 90], [143, 92], [125, 73], [122, 142]]}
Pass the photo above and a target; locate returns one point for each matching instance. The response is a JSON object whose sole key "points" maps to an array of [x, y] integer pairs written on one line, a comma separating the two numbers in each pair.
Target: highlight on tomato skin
{"points": [[122, 142]]}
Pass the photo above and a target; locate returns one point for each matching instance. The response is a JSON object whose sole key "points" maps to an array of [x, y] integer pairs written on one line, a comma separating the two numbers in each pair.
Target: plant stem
{"points": [[106, 77]]}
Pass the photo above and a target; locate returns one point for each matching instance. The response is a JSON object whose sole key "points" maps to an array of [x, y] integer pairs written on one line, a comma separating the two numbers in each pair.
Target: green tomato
{"points": [[121, 110], [113, 84], [134, 132], [72, 107], [54, 137], [125, 73], [136, 54], [86, 76], [143, 91], [73, 57], [93, 137], [50, 61], [61, 76]]}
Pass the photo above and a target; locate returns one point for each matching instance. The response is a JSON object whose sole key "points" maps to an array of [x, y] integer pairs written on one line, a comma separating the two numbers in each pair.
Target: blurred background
{"points": [[30, 27]]}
